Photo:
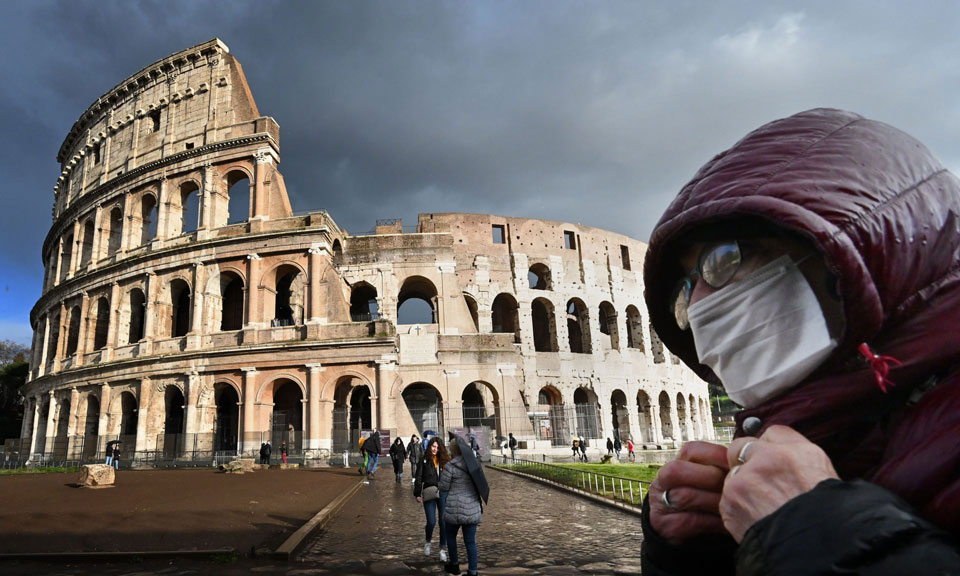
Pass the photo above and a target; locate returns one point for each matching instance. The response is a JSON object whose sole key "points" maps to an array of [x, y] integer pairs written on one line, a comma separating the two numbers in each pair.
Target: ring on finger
{"points": [[665, 496], [742, 457]]}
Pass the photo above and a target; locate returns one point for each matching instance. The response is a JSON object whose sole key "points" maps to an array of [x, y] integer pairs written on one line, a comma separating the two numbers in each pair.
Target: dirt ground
{"points": [[154, 510]]}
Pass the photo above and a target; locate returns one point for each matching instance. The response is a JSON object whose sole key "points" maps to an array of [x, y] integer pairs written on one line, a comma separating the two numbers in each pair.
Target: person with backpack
{"points": [[372, 448], [414, 453]]}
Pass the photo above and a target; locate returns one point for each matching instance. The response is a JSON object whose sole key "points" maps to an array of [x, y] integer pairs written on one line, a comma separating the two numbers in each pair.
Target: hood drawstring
{"points": [[880, 366]]}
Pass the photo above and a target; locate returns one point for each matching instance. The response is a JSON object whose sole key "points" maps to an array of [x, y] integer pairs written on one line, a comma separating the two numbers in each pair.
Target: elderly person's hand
{"points": [[693, 484], [766, 472]]}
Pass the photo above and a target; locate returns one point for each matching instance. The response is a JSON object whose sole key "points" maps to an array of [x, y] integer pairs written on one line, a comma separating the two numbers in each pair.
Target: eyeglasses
{"points": [[716, 265]]}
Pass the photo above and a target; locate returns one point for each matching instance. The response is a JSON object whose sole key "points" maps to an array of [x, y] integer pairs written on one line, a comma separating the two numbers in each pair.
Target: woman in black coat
{"points": [[435, 457], [398, 454]]}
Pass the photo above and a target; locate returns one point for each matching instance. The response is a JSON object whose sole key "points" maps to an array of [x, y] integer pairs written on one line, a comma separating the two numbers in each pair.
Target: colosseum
{"points": [[190, 313]]}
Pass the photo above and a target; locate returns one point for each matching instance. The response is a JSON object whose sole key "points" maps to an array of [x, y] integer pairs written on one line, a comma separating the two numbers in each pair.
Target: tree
{"points": [[14, 369]]}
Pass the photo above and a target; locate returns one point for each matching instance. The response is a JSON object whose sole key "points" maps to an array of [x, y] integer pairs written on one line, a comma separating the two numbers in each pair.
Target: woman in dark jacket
{"points": [[463, 510], [414, 453], [398, 454], [430, 466], [812, 269]]}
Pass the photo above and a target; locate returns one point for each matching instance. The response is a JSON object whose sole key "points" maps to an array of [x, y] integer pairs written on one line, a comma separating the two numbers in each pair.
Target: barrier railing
{"points": [[627, 490]]}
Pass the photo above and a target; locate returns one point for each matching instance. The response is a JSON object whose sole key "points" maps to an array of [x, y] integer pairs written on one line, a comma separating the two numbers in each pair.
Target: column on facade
{"points": [[196, 314], [103, 425], [163, 208], [675, 422], [75, 249], [125, 239], [190, 396], [656, 425], [34, 425], [151, 288], [207, 200], [51, 431], [143, 410], [314, 431], [112, 326], [250, 438], [58, 262], [606, 416], [386, 374], [636, 431], [316, 261], [97, 235], [82, 336], [253, 291], [264, 163], [448, 277], [61, 336], [72, 422]]}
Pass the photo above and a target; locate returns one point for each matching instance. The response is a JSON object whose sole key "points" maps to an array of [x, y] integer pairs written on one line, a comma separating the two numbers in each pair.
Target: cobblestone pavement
{"points": [[527, 529]]}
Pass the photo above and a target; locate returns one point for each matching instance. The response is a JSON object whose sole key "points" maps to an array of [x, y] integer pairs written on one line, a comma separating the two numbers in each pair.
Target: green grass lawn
{"points": [[44, 470], [642, 472]]}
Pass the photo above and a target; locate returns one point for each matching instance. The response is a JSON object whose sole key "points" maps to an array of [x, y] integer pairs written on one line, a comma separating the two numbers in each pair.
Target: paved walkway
{"points": [[527, 529]]}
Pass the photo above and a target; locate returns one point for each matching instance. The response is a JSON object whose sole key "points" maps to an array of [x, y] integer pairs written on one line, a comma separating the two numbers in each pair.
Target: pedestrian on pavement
{"points": [[268, 451], [283, 451], [414, 453], [475, 446], [372, 448], [513, 446], [426, 488], [263, 452], [630, 453], [576, 449], [116, 456], [609, 446], [617, 447], [583, 449], [504, 446], [812, 270], [464, 510], [398, 454]]}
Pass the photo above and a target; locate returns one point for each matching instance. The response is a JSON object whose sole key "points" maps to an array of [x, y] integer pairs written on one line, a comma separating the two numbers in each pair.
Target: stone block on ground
{"points": [[239, 466], [96, 476]]}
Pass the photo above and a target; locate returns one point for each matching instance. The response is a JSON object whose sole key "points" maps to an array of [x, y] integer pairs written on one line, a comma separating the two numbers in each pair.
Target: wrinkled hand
{"points": [[695, 483], [779, 466], [419, 499]]}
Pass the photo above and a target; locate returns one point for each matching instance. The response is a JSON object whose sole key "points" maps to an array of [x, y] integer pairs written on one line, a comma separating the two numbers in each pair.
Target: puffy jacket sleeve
{"points": [[711, 554], [846, 527], [446, 478]]}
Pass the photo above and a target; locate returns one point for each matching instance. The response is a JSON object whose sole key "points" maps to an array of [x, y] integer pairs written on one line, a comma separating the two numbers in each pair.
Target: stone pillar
{"points": [[264, 164], [386, 373], [72, 423], [253, 291], [45, 347], [74, 249], [636, 431], [208, 197], [127, 220], [61, 337], [315, 256], [163, 208], [674, 422], [312, 441], [82, 337], [143, 411], [149, 314], [192, 392], [103, 426], [34, 425], [58, 263], [112, 328], [51, 424], [655, 424], [606, 417], [195, 334], [250, 438], [97, 235]]}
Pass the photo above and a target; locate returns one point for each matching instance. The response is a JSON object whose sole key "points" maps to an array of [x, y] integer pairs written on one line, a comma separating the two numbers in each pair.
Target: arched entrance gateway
{"points": [[286, 421], [620, 415], [90, 427], [352, 413], [226, 423], [547, 419], [171, 442], [425, 405], [645, 416], [588, 417], [481, 408]]}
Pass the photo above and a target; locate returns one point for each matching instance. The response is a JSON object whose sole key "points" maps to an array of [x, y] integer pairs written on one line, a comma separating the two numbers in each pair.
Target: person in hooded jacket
{"points": [[813, 270], [398, 454], [371, 447], [414, 453], [429, 468], [463, 511]]}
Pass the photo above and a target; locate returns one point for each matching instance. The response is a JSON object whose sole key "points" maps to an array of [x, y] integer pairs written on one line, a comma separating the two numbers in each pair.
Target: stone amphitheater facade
{"points": [[187, 310]]}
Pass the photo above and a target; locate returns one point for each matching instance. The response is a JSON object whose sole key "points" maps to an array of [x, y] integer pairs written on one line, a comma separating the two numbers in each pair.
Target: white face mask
{"points": [[763, 334]]}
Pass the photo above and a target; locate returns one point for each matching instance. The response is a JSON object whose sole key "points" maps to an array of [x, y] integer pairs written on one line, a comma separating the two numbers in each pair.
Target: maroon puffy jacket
{"points": [[885, 214]]}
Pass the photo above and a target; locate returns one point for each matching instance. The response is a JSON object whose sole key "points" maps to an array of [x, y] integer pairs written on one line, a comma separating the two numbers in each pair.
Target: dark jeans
{"points": [[432, 510], [469, 542], [398, 467]]}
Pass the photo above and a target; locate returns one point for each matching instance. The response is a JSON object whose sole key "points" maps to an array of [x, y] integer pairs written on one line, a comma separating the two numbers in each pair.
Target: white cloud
{"points": [[759, 43]]}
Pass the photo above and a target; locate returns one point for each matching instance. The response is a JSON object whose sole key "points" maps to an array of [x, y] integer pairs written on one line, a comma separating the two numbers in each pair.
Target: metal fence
{"points": [[627, 490]]}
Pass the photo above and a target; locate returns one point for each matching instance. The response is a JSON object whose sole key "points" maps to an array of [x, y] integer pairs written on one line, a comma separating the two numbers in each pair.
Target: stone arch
{"points": [[73, 330], [425, 404], [66, 255], [147, 217], [608, 326], [285, 290], [363, 302], [101, 323], [578, 327], [132, 322], [337, 250], [417, 301], [174, 421], [226, 424], [178, 301], [86, 243], [91, 424], [54, 320], [634, 328], [481, 406], [620, 415], [666, 423], [505, 315], [185, 218], [112, 229], [286, 417], [586, 405], [645, 416], [544, 325], [549, 423], [238, 186], [264, 393], [225, 299], [328, 390], [682, 421], [539, 277], [474, 310]]}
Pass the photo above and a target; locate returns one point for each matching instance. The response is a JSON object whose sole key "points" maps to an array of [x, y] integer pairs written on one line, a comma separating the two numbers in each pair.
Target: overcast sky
{"points": [[588, 112]]}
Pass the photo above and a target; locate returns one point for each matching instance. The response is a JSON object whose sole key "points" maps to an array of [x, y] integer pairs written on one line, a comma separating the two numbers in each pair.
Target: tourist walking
{"points": [[630, 455], [583, 449], [617, 447], [116, 456], [576, 449], [609, 446], [414, 453], [513, 446], [426, 488], [398, 454], [372, 448], [283, 451], [463, 510]]}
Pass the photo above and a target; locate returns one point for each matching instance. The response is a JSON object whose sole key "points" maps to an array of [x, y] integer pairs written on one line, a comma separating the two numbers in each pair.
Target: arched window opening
{"points": [[588, 413], [544, 326], [137, 312], [351, 413], [424, 403], [91, 427], [547, 418], [288, 306], [227, 425], [115, 223], [337, 253], [474, 310], [666, 425], [103, 324], [417, 302], [578, 327], [363, 302], [506, 315], [180, 299], [682, 420], [231, 302], [173, 420], [238, 191], [634, 328], [148, 218], [539, 277], [608, 326], [474, 406], [54, 337], [656, 346], [645, 417], [189, 207], [287, 420], [86, 248], [128, 415], [66, 256], [620, 415], [73, 334]]}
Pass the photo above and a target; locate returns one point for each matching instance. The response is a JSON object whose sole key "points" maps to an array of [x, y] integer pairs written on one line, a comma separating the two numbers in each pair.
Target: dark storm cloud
{"points": [[586, 112]]}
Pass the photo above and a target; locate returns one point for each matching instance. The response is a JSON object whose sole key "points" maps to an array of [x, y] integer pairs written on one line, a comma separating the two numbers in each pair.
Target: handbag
{"points": [[430, 493]]}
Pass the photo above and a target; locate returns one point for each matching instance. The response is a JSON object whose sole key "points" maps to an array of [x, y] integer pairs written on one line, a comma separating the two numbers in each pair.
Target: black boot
{"points": [[452, 568]]}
